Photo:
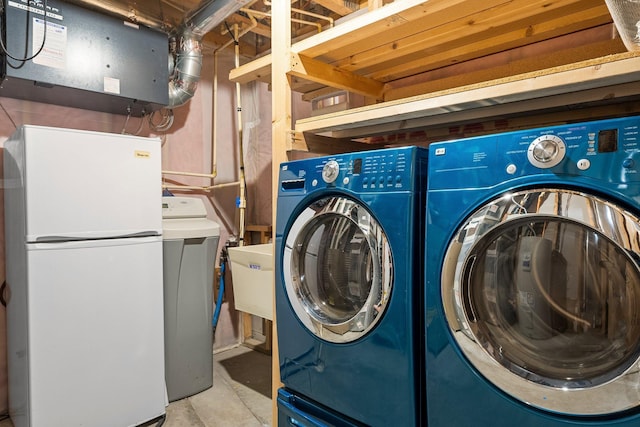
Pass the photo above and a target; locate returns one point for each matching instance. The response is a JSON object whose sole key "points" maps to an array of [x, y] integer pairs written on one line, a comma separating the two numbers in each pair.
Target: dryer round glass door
{"points": [[338, 269], [541, 290]]}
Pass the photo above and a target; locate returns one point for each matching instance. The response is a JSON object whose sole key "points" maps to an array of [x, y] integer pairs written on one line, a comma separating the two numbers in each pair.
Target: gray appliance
{"points": [[190, 242]]}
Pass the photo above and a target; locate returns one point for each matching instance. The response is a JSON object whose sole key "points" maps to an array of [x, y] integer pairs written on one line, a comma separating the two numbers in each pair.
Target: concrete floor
{"points": [[240, 396]]}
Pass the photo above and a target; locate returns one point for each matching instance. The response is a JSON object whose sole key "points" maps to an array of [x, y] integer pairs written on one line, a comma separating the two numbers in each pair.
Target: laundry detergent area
{"points": [[328, 213]]}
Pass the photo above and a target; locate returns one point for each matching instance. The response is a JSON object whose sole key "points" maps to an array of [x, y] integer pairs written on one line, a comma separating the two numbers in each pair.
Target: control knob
{"points": [[330, 171], [546, 151]]}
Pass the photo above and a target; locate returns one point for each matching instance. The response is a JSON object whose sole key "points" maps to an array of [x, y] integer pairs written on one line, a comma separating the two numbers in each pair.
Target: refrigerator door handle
{"points": [[62, 239]]}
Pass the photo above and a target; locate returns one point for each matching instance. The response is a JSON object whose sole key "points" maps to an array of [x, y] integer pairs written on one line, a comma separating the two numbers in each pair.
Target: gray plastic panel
{"points": [[188, 310]]}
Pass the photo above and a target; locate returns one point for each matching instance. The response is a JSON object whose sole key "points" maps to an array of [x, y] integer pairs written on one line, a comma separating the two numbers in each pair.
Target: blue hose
{"points": [[216, 313]]}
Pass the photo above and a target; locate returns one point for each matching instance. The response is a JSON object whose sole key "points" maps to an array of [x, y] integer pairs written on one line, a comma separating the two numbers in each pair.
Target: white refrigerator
{"points": [[83, 229]]}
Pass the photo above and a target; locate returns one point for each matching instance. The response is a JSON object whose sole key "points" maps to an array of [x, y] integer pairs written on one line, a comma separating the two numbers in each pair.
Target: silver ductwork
{"points": [[186, 52], [186, 46]]}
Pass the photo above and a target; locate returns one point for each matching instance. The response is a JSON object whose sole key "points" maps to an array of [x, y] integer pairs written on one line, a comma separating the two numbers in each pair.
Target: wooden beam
{"points": [[320, 72], [325, 145], [280, 128]]}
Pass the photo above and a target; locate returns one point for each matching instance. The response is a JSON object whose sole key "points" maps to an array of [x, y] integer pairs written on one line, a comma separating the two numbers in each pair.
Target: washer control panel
{"points": [[382, 170], [604, 150]]}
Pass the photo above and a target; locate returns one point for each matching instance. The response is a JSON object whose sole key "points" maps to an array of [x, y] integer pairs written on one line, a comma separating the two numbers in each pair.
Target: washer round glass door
{"points": [[338, 269], [541, 290]]}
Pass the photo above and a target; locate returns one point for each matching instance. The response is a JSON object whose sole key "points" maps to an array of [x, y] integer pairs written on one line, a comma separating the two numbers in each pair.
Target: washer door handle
{"points": [[465, 292]]}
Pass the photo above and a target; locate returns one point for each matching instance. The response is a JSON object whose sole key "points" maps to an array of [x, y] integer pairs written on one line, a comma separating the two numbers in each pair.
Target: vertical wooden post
{"points": [[280, 128]]}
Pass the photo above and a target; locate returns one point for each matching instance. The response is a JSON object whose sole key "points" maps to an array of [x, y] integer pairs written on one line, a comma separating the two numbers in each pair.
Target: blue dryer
{"points": [[349, 286], [533, 278]]}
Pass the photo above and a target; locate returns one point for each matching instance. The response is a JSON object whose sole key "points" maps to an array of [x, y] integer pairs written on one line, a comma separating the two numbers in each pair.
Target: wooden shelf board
{"points": [[457, 31], [259, 69], [587, 75], [580, 46]]}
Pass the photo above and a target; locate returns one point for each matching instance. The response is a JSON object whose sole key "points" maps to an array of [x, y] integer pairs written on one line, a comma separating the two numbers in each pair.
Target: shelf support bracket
{"points": [[319, 72]]}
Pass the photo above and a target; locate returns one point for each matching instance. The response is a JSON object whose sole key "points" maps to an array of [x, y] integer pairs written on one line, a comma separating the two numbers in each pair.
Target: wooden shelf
{"points": [[375, 53], [256, 70], [427, 63], [609, 77]]}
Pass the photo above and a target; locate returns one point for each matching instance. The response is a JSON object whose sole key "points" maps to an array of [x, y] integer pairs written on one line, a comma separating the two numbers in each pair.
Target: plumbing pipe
{"points": [[304, 12], [268, 15], [254, 24], [198, 187], [242, 200], [214, 133]]}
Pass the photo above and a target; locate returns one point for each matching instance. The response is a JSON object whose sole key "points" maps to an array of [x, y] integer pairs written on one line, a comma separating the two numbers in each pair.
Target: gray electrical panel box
{"points": [[90, 60]]}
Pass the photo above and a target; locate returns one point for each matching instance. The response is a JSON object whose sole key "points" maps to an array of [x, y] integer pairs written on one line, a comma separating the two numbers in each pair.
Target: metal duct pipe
{"points": [[186, 47], [211, 13], [186, 51]]}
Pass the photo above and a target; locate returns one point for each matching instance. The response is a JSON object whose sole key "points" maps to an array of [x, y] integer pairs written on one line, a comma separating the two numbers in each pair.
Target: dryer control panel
{"points": [[369, 171], [604, 150]]}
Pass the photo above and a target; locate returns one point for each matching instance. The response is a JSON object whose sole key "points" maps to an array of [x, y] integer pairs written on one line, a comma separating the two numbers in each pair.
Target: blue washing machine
{"points": [[349, 286], [533, 278]]}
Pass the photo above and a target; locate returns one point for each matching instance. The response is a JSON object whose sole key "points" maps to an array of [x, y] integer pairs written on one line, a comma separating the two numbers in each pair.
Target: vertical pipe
{"points": [[214, 122], [242, 204]]}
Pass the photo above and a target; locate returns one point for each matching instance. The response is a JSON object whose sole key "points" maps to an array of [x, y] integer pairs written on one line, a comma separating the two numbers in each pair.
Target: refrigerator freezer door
{"points": [[95, 346], [86, 185]]}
